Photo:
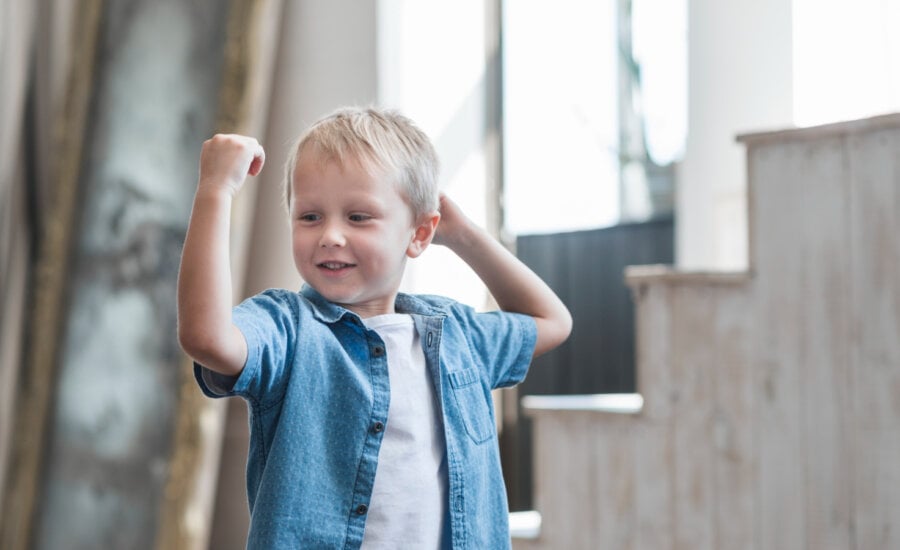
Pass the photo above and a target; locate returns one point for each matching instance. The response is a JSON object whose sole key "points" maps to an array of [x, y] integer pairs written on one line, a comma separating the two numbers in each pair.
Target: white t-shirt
{"points": [[410, 492]]}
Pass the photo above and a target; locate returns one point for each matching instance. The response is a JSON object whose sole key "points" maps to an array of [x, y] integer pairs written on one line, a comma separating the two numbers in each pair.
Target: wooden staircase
{"points": [[770, 414]]}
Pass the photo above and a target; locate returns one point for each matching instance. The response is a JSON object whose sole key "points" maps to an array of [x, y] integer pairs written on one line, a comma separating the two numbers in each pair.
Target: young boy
{"points": [[371, 416]]}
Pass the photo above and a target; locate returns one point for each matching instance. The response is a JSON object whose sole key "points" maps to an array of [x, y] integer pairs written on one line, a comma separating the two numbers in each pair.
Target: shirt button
{"points": [[378, 351], [378, 427], [362, 509]]}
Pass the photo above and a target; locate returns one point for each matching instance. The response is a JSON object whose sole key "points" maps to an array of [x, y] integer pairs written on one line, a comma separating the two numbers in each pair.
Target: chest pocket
{"points": [[472, 404]]}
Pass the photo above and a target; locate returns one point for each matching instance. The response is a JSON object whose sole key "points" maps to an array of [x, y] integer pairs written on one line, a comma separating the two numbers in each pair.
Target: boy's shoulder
{"points": [[433, 304], [443, 306], [279, 302], [281, 296], [427, 301]]}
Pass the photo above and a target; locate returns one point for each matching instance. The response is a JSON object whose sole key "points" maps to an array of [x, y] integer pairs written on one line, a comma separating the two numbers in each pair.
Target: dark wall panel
{"points": [[586, 269]]}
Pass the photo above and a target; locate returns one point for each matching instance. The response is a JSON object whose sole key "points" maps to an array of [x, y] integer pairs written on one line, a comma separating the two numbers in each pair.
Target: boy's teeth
{"points": [[334, 265]]}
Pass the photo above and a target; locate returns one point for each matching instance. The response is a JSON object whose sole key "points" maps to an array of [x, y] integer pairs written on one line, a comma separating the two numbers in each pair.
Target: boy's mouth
{"points": [[335, 266]]}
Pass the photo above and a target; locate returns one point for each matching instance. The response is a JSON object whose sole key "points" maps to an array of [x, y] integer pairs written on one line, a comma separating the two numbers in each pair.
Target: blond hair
{"points": [[384, 142]]}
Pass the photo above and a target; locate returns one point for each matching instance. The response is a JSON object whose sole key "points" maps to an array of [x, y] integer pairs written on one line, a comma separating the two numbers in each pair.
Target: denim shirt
{"points": [[316, 382]]}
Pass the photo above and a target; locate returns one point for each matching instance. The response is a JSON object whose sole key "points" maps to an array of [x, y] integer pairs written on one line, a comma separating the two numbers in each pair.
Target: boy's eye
{"points": [[359, 217], [308, 217]]}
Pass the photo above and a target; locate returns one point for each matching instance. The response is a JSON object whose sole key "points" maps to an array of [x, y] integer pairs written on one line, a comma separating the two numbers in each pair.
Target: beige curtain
{"points": [[35, 48], [36, 40], [17, 20]]}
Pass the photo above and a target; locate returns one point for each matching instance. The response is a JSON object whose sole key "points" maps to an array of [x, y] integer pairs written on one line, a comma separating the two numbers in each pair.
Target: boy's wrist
{"points": [[209, 192], [467, 237]]}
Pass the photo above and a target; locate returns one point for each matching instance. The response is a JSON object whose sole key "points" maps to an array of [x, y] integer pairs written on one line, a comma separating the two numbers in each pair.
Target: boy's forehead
{"points": [[312, 156], [318, 163]]}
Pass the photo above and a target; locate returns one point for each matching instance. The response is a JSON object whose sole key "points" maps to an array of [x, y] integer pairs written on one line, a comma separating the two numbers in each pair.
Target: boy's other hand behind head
{"points": [[454, 226], [227, 159]]}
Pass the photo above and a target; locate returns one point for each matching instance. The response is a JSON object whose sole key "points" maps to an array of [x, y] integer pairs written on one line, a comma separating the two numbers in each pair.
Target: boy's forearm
{"points": [[514, 286], [204, 286]]}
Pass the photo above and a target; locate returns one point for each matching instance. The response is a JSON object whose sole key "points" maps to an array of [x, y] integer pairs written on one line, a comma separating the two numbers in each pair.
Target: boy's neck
{"points": [[371, 309]]}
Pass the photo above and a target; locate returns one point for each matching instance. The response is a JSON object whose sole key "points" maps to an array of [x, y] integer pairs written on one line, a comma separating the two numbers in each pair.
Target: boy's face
{"points": [[352, 233]]}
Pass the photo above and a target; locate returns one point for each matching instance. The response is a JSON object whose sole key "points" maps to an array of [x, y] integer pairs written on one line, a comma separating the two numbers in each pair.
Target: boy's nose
{"points": [[332, 236]]}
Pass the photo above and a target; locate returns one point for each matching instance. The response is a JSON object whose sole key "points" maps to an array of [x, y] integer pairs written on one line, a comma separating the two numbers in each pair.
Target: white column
{"points": [[740, 79]]}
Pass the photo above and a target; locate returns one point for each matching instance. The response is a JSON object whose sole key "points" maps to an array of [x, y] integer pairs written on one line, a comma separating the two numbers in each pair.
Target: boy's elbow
{"points": [[218, 351], [195, 343], [552, 332], [563, 328], [206, 349], [566, 326]]}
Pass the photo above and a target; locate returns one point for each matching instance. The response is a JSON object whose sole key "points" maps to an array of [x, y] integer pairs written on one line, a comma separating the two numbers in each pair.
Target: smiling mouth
{"points": [[335, 266]]}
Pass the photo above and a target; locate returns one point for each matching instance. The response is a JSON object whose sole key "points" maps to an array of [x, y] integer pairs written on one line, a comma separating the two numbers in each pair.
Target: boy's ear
{"points": [[424, 232]]}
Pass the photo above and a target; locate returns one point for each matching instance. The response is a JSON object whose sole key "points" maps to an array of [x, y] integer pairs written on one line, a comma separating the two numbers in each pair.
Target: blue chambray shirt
{"points": [[316, 381]]}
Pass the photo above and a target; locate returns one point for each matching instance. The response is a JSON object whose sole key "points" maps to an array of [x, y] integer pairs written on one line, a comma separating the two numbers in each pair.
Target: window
{"points": [[595, 111]]}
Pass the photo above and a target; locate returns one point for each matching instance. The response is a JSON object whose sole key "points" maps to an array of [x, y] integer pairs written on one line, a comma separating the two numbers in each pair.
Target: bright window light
{"points": [[560, 121], [846, 59], [595, 111]]}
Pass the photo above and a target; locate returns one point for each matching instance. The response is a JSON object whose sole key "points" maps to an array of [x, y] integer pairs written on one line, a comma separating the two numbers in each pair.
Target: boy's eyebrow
{"points": [[365, 203]]}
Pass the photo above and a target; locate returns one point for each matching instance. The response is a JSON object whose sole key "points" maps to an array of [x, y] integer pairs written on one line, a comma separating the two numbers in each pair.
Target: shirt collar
{"points": [[328, 312]]}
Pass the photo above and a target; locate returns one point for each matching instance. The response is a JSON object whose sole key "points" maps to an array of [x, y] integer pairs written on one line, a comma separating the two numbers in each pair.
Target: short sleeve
{"points": [[502, 342], [268, 322]]}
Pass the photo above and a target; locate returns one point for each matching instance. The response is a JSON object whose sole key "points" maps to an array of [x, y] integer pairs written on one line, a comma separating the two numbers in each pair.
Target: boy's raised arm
{"points": [[205, 330], [514, 286]]}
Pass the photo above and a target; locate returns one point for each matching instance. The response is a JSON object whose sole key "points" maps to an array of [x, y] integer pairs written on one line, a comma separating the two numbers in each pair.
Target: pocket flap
{"points": [[462, 378]]}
